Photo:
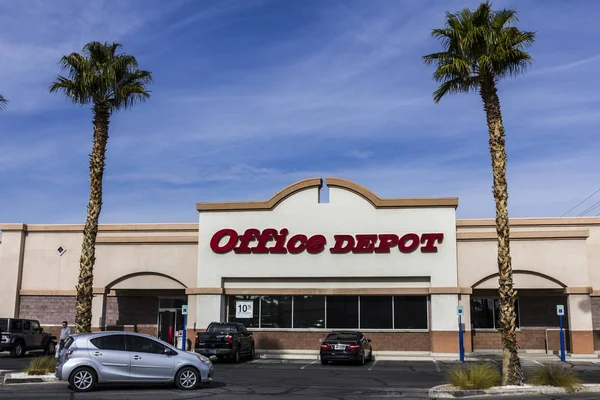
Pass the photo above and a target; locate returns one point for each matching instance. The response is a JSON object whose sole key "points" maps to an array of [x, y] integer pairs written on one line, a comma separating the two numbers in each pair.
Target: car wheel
{"points": [[237, 357], [18, 350], [252, 352], [370, 355], [50, 349], [362, 359], [187, 378], [83, 379]]}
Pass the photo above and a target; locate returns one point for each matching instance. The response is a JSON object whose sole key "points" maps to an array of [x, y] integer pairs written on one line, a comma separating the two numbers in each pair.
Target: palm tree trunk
{"points": [[512, 374], [85, 284]]}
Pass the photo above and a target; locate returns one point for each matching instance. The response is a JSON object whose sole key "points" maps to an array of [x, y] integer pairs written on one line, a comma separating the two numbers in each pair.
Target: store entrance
{"points": [[170, 319]]}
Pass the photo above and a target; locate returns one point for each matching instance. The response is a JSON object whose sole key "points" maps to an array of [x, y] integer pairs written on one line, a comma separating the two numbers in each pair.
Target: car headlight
{"points": [[203, 359]]}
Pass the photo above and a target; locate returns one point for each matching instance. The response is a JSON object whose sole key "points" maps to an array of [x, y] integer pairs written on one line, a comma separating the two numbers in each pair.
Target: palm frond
{"points": [[3, 102], [100, 75], [478, 45]]}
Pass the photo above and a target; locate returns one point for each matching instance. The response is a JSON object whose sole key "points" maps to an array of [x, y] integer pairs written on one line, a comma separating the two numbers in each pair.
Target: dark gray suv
{"points": [[21, 335]]}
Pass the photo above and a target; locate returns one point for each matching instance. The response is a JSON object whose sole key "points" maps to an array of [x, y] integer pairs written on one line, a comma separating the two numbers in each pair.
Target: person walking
{"points": [[65, 332]]}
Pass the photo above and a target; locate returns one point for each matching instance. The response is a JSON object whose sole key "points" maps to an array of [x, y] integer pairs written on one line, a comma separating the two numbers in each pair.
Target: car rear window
{"points": [[341, 336], [3, 324], [69, 342], [223, 328]]}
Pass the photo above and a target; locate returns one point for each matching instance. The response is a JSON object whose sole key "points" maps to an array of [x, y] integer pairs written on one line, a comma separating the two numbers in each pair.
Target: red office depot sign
{"points": [[272, 241]]}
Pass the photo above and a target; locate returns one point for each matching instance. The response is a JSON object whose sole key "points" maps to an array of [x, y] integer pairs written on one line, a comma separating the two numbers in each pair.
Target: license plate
{"points": [[339, 347], [212, 351]]}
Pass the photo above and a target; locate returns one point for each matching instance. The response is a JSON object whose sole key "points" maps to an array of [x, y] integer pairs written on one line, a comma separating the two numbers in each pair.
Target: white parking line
{"points": [[374, 362], [537, 362], [249, 362], [437, 367], [309, 364]]}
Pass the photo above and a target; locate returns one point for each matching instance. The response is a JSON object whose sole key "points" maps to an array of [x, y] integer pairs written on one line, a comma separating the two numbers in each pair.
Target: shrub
{"points": [[474, 376], [554, 374], [41, 366]]}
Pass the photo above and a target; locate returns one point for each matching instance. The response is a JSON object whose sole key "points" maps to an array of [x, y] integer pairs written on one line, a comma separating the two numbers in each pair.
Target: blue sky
{"points": [[252, 95]]}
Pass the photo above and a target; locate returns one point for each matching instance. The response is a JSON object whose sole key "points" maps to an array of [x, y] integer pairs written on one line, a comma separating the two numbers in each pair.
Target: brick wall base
{"points": [[48, 309], [381, 341], [528, 339]]}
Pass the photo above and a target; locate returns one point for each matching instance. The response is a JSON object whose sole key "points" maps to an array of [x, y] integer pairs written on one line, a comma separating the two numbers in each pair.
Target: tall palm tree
{"points": [[3, 102], [480, 48], [109, 82]]}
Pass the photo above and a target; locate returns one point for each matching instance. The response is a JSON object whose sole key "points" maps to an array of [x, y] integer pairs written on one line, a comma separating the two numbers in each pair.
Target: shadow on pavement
{"points": [[145, 386]]}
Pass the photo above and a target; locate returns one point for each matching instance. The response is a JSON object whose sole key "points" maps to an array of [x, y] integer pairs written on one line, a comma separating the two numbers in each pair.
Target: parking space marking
{"points": [[437, 366], [374, 362], [309, 364], [537, 362]]}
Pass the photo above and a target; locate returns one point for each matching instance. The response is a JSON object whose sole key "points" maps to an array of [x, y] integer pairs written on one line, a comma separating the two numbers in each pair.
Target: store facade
{"points": [[292, 268]]}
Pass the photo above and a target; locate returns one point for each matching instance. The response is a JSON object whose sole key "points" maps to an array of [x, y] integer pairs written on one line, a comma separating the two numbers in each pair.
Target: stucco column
{"points": [[99, 309], [12, 252], [206, 309], [444, 323], [465, 301], [580, 323]]}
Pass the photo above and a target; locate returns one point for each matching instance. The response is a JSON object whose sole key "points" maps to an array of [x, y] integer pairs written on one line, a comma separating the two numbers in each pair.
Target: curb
{"points": [[16, 378], [436, 393]]}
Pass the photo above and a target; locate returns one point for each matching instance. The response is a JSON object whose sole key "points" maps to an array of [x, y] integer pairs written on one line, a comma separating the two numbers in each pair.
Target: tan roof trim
{"points": [[555, 221], [192, 227], [0, 238], [378, 202], [12, 227], [204, 290], [535, 235], [595, 293], [38, 292], [265, 205], [578, 290], [146, 239]]}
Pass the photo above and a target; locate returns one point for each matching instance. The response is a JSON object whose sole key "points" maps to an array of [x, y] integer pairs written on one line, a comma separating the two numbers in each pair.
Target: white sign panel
{"points": [[243, 309], [560, 310], [460, 310], [184, 310]]}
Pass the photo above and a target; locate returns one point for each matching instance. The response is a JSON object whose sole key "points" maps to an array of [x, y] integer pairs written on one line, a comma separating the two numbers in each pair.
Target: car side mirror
{"points": [[369, 340], [249, 333], [168, 351], [41, 329]]}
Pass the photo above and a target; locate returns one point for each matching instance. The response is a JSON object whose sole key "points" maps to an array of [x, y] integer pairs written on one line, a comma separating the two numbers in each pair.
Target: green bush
{"points": [[41, 366], [554, 374], [474, 376]]}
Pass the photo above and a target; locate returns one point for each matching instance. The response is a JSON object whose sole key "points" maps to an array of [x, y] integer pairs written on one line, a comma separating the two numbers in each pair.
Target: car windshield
{"points": [[3, 324], [224, 328], [341, 336]]}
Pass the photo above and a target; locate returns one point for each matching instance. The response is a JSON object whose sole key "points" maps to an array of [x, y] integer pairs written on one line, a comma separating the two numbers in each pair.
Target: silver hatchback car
{"points": [[127, 357]]}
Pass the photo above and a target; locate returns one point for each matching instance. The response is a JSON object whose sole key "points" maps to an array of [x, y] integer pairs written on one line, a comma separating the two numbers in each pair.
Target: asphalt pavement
{"points": [[295, 380]]}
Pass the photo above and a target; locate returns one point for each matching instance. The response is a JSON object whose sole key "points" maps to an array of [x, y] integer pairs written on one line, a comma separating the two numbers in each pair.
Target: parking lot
{"points": [[283, 379]]}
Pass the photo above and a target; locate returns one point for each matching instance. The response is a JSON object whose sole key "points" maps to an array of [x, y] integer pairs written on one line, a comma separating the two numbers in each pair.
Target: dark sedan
{"points": [[346, 346]]}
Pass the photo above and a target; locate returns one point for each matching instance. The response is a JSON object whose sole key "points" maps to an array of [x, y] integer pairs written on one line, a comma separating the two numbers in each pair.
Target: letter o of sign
{"points": [[409, 243], [214, 242]]}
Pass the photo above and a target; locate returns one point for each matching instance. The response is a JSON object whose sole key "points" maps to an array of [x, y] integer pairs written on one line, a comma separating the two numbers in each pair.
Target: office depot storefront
{"points": [[292, 268]]}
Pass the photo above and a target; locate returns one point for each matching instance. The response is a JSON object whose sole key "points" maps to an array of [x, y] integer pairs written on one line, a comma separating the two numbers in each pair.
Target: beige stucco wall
{"points": [[127, 256]]}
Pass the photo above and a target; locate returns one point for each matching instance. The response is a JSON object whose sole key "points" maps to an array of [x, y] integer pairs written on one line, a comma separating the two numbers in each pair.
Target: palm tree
{"points": [[109, 82], [480, 48], [3, 102]]}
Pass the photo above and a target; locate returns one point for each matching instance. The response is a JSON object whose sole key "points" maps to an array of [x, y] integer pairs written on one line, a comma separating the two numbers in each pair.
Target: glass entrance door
{"points": [[166, 325]]}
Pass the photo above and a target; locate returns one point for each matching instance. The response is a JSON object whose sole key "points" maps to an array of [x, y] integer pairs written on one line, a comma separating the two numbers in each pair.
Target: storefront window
{"points": [[375, 312], [276, 311], [342, 312], [235, 301], [485, 313], [410, 312], [309, 311]]}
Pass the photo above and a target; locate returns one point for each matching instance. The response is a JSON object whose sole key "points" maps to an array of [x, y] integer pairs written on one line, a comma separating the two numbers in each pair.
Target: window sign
{"points": [[243, 309]]}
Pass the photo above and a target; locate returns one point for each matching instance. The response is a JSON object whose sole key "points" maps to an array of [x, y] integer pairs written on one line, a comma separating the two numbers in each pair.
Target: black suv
{"points": [[21, 335]]}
